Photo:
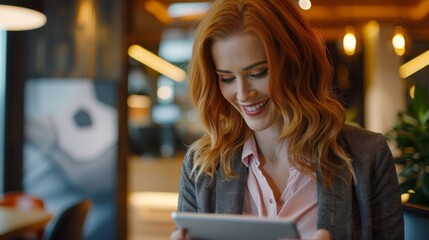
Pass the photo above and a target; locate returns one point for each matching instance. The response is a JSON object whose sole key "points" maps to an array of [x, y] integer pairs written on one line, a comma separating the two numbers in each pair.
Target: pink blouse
{"points": [[298, 200]]}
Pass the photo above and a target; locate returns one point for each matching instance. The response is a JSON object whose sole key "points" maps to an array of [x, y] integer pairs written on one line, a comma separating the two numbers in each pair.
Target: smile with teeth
{"points": [[256, 107]]}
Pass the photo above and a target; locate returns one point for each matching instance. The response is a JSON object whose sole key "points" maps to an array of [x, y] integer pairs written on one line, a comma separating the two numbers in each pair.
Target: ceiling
{"points": [[330, 15]]}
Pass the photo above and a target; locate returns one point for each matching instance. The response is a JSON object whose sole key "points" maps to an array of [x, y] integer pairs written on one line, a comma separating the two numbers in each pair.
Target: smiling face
{"points": [[242, 68]]}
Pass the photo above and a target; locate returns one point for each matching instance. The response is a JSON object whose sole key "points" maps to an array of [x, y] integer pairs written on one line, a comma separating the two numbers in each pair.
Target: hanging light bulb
{"points": [[350, 41], [398, 40], [304, 4]]}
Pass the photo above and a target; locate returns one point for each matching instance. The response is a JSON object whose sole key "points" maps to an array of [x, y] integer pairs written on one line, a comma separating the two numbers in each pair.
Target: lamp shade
{"points": [[21, 15]]}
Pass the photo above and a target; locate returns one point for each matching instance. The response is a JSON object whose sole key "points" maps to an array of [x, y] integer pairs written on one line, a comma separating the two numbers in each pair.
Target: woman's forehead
{"points": [[240, 50]]}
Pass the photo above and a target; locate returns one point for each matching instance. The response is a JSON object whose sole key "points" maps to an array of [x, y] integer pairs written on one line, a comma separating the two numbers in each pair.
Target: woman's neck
{"points": [[274, 161], [270, 148]]}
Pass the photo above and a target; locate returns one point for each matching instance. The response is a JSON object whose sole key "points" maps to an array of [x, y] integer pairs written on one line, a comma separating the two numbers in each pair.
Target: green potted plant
{"points": [[411, 135]]}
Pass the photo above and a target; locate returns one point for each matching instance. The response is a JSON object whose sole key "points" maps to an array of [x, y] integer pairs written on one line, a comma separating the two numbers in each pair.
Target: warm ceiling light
{"points": [[304, 4], [189, 9], [414, 65], [158, 64], [14, 18], [158, 10], [349, 41], [398, 40]]}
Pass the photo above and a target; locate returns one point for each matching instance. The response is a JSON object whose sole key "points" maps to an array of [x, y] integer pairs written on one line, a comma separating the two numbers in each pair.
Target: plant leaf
{"points": [[408, 119], [409, 172], [425, 117], [407, 185], [420, 103], [425, 184]]}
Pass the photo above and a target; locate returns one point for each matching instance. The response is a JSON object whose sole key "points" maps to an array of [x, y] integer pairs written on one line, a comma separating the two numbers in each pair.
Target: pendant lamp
{"points": [[20, 15], [400, 40], [350, 41]]}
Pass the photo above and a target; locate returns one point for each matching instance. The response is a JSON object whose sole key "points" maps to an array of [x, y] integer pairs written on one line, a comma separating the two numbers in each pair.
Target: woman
{"points": [[276, 143]]}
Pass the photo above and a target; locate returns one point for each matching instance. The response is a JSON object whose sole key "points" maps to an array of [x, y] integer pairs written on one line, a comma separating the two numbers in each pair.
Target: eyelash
{"points": [[226, 80], [258, 75]]}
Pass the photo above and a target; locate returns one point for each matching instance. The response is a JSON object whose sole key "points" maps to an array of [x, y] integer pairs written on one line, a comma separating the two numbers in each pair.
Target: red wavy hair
{"points": [[300, 83]]}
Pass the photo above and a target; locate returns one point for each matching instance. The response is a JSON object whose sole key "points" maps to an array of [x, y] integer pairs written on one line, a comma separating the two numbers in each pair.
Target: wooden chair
{"points": [[69, 223], [26, 202]]}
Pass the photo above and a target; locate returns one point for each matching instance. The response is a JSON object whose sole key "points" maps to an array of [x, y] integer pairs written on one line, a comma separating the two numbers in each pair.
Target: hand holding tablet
{"points": [[232, 227]]}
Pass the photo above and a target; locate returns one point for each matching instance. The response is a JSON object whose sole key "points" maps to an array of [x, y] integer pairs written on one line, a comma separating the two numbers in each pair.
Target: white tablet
{"points": [[232, 227]]}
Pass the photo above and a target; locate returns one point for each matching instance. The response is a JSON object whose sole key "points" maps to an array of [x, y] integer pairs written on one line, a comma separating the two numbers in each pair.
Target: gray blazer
{"points": [[368, 208]]}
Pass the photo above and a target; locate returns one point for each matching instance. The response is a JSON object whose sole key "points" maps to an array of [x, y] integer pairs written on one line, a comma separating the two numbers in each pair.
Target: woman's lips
{"points": [[255, 109]]}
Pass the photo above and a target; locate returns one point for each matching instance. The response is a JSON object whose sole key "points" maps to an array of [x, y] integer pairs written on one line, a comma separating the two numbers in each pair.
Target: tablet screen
{"points": [[232, 227]]}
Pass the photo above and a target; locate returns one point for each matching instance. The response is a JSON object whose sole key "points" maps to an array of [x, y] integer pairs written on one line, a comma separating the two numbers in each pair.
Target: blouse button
{"points": [[271, 200]]}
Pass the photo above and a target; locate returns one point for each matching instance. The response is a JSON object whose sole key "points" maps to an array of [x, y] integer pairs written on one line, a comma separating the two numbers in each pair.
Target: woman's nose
{"points": [[245, 90]]}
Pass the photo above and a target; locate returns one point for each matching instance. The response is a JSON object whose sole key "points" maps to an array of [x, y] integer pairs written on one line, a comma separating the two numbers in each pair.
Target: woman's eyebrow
{"points": [[245, 68], [254, 65], [222, 71]]}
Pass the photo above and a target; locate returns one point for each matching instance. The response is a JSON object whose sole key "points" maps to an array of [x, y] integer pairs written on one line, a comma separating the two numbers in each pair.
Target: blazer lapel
{"points": [[335, 203], [229, 196]]}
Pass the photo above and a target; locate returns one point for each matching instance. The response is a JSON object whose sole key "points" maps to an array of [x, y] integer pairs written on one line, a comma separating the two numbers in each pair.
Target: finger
{"points": [[322, 234], [179, 234]]}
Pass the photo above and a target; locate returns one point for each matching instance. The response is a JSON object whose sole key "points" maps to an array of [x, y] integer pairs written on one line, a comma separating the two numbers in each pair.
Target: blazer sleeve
{"points": [[387, 216], [187, 198]]}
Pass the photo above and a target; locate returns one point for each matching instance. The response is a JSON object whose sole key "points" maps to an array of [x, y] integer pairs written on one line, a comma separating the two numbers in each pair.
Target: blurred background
{"points": [[94, 100]]}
